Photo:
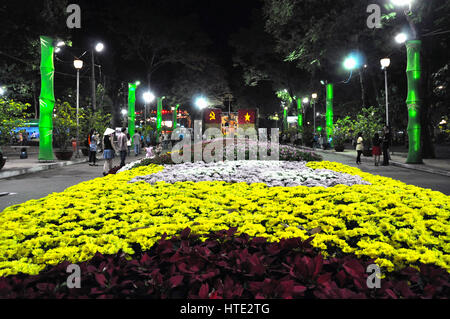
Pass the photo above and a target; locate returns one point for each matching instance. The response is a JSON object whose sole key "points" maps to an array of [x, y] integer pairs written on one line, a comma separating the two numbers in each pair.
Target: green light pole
{"points": [[329, 110], [413, 74], [131, 107], [159, 118], [285, 121], [46, 100], [299, 115], [175, 110]]}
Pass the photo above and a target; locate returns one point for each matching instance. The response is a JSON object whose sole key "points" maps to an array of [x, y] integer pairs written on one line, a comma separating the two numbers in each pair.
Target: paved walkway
{"points": [[439, 166]]}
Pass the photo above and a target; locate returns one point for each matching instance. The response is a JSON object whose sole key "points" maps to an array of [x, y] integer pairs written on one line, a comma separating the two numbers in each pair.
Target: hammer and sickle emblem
{"points": [[212, 116]]}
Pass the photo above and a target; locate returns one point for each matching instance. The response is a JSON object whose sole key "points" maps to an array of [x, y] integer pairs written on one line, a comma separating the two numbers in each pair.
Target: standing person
{"points": [[376, 148], [108, 150], [128, 143], [122, 142], [386, 142], [93, 139], [359, 148], [137, 143]]}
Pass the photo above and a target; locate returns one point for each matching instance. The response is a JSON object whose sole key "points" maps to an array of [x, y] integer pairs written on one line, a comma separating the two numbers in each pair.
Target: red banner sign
{"points": [[247, 116], [213, 116]]}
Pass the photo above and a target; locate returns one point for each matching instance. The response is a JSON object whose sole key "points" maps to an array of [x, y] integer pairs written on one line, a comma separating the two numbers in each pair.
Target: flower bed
{"points": [[271, 173], [395, 224], [227, 266]]}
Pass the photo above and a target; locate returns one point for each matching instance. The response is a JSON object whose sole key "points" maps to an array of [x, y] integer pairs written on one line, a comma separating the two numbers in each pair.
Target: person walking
{"points": [[376, 148], [122, 144], [128, 143], [137, 143], [93, 140], [108, 150], [386, 142], [359, 148]]}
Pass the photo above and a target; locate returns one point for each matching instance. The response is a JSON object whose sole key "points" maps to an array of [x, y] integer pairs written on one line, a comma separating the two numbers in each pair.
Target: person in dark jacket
{"points": [[108, 150], [376, 148]]}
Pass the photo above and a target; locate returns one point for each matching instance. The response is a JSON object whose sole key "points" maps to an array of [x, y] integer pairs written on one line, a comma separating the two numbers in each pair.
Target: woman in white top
{"points": [[359, 148]]}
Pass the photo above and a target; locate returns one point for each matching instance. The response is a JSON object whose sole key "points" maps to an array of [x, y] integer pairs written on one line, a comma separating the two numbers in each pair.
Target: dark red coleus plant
{"points": [[230, 267]]}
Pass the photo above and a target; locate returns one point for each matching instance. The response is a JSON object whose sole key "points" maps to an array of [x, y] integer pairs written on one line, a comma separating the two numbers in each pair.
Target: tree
{"points": [[20, 54], [12, 116], [64, 125], [319, 43], [368, 122]]}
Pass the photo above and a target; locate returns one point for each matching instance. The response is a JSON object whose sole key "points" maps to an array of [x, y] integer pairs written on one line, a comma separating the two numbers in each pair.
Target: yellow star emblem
{"points": [[212, 116], [247, 117]]}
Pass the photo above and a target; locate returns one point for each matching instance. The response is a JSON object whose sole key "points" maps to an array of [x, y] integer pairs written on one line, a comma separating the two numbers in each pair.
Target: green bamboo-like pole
{"points": [[46, 100], [285, 121], [174, 125], [131, 108], [329, 110], [413, 74], [299, 114], [159, 118]]}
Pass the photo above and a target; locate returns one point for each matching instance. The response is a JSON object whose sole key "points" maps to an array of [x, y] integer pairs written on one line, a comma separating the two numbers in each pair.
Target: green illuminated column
{"points": [[329, 110], [175, 117], [285, 122], [46, 100], [413, 73], [299, 114], [131, 108], [159, 118]]}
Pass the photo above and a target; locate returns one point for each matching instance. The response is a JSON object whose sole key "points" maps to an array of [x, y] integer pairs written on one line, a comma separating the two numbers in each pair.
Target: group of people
{"points": [[119, 143], [380, 145]]}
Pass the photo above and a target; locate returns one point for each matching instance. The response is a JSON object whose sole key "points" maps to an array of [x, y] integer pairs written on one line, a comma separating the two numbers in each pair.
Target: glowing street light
{"points": [[149, 97], [401, 38], [2, 91], [401, 3], [99, 47], [201, 103], [306, 100], [350, 63]]}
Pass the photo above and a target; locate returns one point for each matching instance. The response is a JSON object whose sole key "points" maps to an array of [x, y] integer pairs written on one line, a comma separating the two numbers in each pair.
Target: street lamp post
{"points": [[149, 97], [384, 65], [99, 48], [314, 97], [78, 64], [124, 114]]}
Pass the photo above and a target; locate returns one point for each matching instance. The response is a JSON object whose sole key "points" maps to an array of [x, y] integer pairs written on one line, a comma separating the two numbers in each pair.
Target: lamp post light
{"points": [[2, 90], [314, 98], [401, 38], [384, 66], [99, 48], [78, 64], [149, 97]]}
